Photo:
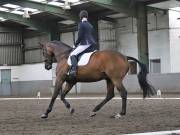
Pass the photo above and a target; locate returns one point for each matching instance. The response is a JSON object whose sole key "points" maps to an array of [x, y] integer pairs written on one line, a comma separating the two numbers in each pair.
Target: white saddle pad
{"points": [[84, 59]]}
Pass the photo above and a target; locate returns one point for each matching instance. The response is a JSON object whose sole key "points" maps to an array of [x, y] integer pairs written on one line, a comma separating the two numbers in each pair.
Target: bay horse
{"points": [[108, 65]]}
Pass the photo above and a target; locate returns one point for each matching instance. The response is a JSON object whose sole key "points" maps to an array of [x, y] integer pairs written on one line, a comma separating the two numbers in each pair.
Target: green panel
{"points": [[117, 5], [6, 82]]}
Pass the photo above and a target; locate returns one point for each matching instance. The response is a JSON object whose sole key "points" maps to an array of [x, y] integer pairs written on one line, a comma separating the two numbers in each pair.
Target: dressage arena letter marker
{"points": [[38, 95], [159, 93]]}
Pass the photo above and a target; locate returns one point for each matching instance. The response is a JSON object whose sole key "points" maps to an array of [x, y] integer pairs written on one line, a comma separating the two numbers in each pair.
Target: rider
{"points": [[84, 41]]}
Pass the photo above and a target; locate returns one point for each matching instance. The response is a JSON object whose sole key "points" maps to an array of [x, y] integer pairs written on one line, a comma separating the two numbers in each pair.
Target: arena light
{"points": [[72, 1], [26, 14], [17, 12], [4, 9], [77, 2], [175, 8], [30, 9], [11, 6], [2, 19], [54, 3], [67, 5]]}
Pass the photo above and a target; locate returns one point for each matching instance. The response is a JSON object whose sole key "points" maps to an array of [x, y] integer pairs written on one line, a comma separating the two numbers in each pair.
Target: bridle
{"points": [[47, 58]]}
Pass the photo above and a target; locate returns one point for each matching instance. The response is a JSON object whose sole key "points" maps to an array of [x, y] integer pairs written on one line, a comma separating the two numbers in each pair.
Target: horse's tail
{"points": [[142, 78]]}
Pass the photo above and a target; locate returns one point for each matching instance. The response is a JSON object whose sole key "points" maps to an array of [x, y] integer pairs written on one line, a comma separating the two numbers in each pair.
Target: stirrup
{"points": [[72, 73], [71, 77]]}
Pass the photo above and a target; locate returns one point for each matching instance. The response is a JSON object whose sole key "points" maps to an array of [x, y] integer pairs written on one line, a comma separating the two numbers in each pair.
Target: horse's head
{"points": [[54, 51], [48, 54]]}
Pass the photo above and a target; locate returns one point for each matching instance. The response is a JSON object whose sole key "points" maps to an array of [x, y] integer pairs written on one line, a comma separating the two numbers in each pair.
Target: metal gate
{"points": [[5, 82]]}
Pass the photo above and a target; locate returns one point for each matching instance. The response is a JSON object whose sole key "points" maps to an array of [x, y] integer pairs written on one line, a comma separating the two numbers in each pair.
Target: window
{"points": [[155, 66]]}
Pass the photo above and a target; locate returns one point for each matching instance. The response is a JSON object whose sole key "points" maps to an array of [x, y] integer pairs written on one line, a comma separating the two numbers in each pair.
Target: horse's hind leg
{"points": [[123, 92], [109, 96], [67, 88]]}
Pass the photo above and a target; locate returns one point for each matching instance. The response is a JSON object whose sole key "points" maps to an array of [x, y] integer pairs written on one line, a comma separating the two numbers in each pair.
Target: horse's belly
{"points": [[93, 77], [88, 80]]}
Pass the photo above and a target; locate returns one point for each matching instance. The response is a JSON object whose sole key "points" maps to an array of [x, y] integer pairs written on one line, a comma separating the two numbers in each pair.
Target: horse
{"points": [[106, 65]]}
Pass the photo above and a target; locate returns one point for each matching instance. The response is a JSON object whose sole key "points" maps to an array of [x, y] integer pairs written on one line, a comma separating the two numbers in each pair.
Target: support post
{"points": [[54, 32], [94, 22], [142, 34]]}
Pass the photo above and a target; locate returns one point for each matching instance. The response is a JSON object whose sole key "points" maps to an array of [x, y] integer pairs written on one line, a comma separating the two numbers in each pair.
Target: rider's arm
{"points": [[80, 34]]}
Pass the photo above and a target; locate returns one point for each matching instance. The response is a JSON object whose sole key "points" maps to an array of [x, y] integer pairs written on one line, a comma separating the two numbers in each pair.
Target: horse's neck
{"points": [[61, 56], [61, 53]]}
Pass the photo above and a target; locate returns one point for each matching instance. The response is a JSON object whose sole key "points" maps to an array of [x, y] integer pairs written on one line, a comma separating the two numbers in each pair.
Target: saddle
{"points": [[83, 59]]}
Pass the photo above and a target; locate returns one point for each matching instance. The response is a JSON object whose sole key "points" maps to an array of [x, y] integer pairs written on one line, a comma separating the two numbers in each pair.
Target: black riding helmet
{"points": [[83, 14]]}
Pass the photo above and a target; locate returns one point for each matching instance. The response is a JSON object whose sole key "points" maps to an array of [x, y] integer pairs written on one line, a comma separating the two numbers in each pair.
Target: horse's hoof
{"points": [[44, 116], [123, 113], [71, 110], [116, 116], [92, 114]]}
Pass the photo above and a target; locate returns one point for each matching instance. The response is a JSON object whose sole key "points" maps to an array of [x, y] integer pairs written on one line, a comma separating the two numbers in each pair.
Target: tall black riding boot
{"points": [[73, 69]]}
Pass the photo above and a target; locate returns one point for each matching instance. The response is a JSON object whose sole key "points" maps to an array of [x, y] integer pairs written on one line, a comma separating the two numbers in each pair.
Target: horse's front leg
{"points": [[58, 87], [65, 91]]}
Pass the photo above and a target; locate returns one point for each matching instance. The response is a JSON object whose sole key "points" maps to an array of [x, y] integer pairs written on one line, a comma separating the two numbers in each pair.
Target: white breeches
{"points": [[79, 49]]}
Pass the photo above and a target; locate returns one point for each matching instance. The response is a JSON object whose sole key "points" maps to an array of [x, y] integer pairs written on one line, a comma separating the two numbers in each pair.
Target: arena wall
{"points": [[174, 33], [167, 83], [27, 80]]}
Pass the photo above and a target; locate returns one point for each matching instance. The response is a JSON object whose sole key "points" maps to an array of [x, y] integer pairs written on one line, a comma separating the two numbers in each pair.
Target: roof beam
{"points": [[153, 9], [116, 5], [154, 1], [44, 7], [108, 19], [37, 25], [104, 13], [178, 0]]}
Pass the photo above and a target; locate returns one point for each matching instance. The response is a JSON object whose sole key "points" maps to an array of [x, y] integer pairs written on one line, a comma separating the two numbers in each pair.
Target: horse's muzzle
{"points": [[48, 66]]}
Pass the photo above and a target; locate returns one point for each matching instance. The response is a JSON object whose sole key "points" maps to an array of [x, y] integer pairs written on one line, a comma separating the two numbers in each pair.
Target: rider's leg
{"points": [[74, 60], [79, 49]]}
